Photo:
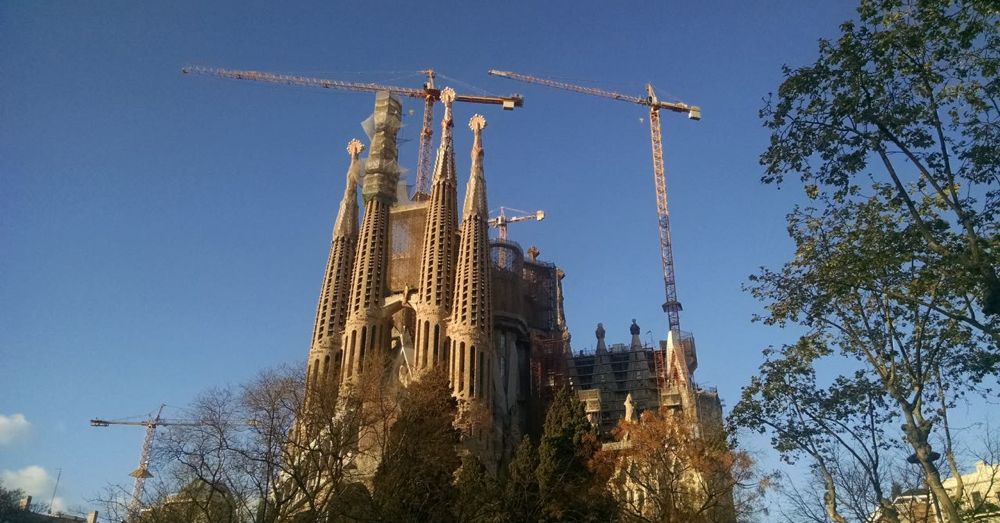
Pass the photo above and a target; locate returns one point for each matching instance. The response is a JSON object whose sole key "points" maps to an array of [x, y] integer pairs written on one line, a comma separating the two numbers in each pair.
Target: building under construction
{"points": [[419, 280], [619, 374], [413, 282]]}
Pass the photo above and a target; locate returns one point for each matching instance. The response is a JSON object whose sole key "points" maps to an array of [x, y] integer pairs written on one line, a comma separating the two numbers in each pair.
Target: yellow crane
{"points": [[671, 306], [141, 474], [429, 93], [502, 220]]}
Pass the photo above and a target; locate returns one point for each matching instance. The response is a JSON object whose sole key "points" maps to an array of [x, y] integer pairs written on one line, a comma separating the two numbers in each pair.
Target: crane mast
{"points": [[671, 306], [429, 93]]}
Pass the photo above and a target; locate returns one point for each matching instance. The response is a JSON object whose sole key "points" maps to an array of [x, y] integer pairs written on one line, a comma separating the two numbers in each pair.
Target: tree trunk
{"points": [[916, 435], [949, 451], [830, 495], [887, 511]]}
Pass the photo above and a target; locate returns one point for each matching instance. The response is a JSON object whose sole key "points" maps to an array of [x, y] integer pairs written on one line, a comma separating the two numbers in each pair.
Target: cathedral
{"points": [[419, 282]]}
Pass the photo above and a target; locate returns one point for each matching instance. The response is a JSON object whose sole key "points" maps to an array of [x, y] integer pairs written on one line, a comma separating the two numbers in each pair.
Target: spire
{"points": [[447, 123], [440, 247], [347, 218], [331, 311], [602, 348], [475, 192], [471, 327], [636, 331], [366, 330]]}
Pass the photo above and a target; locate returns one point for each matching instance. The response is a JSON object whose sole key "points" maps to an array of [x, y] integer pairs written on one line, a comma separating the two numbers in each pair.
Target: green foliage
{"points": [[9, 498], [414, 481], [867, 287], [477, 496], [520, 486], [907, 95], [568, 489]]}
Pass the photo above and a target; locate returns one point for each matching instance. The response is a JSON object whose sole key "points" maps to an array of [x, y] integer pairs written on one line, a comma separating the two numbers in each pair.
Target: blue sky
{"points": [[163, 234]]}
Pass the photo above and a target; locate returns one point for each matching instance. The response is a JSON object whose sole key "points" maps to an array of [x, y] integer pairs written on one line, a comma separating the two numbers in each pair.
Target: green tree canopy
{"points": [[907, 95], [568, 488], [414, 481]]}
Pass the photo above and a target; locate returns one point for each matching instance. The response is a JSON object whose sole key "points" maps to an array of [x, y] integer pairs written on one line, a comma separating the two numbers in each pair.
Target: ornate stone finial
{"points": [[634, 329], [447, 96], [600, 331], [533, 252], [477, 123], [354, 147], [630, 409]]}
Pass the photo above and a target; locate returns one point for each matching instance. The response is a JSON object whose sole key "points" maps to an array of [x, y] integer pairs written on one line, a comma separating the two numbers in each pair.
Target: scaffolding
{"points": [[549, 365]]}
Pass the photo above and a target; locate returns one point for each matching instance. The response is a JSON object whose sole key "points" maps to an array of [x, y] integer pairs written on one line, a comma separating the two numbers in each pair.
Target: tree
{"points": [[519, 487], [414, 481], [9, 499], [856, 260], [664, 471], [568, 488], [265, 456], [839, 428], [908, 95], [477, 496]]}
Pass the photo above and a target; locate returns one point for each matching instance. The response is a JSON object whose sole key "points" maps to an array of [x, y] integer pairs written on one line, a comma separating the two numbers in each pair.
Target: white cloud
{"points": [[35, 482], [13, 428]]}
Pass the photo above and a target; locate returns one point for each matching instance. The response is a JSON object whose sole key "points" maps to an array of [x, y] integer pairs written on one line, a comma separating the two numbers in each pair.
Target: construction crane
{"points": [[501, 220], [141, 474], [429, 93], [671, 306]]}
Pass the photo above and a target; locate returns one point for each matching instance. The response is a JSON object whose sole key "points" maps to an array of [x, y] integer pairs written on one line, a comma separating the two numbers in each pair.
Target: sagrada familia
{"points": [[423, 289]]}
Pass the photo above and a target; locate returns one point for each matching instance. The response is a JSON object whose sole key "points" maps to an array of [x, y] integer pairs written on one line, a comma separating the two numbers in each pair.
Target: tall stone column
{"points": [[470, 329], [367, 331], [440, 247], [322, 371]]}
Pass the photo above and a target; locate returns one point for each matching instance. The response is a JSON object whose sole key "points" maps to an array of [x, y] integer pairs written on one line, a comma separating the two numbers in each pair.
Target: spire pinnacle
{"points": [[354, 148], [477, 123], [447, 98], [347, 218], [475, 193]]}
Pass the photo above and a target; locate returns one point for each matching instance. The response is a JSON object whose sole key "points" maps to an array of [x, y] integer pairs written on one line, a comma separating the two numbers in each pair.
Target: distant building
{"points": [[26, 515], [980, 498], [981, 491]]}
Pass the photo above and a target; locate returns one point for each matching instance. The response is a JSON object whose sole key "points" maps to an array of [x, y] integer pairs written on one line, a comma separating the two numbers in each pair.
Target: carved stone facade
{"points": [[422, 290]]}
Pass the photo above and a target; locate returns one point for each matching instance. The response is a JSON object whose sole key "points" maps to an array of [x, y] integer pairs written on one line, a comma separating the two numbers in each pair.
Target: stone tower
{"points": [[471, 325], [439, 249], [367, 329], [331, 312]]}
